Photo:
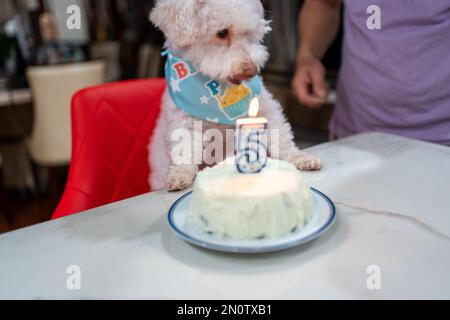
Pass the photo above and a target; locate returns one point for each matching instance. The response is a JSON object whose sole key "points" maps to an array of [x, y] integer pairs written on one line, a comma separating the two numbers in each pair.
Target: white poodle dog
{"points": [[218, 42]]}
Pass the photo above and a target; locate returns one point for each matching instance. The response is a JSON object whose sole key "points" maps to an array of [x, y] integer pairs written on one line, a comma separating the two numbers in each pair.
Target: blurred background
{"points": [[39, 51]]}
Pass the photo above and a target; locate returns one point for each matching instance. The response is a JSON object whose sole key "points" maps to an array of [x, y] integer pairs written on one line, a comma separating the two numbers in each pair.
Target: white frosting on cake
{"points": [[269, 204]]}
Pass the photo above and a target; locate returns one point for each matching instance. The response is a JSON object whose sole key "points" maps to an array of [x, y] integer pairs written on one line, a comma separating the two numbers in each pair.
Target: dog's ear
{"points": [[178, 19]]}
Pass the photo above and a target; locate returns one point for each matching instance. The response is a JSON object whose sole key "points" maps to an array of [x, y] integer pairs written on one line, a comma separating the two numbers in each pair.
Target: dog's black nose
{"points": [[248, 71]]}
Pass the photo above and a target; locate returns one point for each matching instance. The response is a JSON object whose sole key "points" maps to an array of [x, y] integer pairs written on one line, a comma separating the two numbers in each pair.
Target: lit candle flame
{"points": [[253, 110]]}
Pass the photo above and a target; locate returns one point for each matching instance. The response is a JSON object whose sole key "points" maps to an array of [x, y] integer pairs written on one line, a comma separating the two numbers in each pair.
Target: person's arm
{"points": [[318, 23]]}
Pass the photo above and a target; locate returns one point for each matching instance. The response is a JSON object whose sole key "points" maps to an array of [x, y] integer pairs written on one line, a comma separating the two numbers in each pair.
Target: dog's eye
{"points": [[223, 34]]}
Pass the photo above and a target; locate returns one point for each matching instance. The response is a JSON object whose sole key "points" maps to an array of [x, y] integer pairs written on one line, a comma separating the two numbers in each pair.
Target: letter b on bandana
{"points": [[181, 70]]}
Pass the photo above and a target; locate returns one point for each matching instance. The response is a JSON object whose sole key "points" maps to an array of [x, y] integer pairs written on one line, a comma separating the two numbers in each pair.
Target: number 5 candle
{"points": [[251, 141]]}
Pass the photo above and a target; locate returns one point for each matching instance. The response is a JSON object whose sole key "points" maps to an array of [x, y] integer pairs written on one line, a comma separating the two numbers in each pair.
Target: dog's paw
{"points": [[306, 162], [180, 177]]}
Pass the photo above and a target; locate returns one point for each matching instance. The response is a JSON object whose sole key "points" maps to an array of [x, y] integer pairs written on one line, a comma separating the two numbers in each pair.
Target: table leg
{"points": [[3, 197]]}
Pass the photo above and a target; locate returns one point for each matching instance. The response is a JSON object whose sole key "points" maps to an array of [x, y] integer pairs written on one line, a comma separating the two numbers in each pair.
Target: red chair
{"points": [[111, 128]]}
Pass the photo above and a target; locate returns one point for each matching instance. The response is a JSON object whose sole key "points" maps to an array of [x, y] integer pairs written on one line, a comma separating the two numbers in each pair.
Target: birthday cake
{"points": [[269, 204]]}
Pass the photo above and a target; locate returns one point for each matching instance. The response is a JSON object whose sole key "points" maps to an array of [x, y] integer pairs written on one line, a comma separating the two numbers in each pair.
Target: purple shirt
{"points": [[396, 79]]}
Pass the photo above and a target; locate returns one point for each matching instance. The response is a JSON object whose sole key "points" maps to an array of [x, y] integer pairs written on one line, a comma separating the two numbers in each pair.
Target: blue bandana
{"points": [[206, 98]]}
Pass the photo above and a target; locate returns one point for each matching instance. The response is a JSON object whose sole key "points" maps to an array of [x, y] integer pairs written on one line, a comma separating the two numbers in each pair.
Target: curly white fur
{"points": [[191, 28]]}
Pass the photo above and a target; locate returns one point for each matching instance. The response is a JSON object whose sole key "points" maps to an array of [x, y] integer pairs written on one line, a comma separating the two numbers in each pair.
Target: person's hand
{"points": [[309, 83]]}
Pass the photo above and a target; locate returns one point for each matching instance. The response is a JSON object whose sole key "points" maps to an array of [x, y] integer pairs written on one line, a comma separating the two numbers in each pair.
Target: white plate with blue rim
{"points": [[321, 221]]}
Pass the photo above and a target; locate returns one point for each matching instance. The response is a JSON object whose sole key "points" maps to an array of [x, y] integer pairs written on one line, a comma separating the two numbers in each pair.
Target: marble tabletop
{"points": [[391, 240]]}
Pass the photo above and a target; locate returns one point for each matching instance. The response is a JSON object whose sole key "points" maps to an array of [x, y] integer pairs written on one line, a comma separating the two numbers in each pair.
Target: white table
{"points": [[393, 200]]}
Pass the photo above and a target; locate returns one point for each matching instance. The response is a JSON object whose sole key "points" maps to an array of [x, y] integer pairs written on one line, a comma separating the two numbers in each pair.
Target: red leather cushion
{"points": [[111, 126]]}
